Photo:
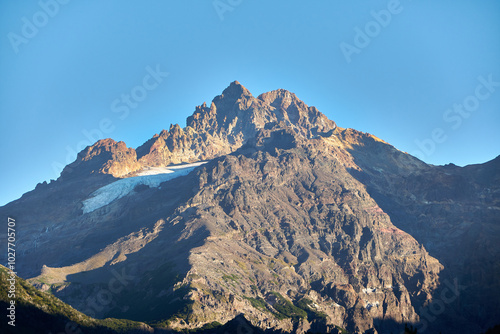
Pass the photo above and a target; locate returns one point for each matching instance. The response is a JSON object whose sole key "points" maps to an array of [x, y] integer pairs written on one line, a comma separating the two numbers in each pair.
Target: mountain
{"points": [[262, 206]]}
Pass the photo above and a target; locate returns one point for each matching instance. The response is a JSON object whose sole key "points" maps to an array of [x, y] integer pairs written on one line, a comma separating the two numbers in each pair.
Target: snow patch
{"points": [[369, 290], [169, 169], [151, 177], [371, 305]]}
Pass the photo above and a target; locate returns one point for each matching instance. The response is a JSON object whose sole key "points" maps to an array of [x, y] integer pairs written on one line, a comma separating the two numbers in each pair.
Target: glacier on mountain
{"points": [[151, 177]]}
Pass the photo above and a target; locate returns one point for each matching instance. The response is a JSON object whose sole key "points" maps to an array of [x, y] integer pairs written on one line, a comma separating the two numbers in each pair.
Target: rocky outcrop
{"points": [[106, 156]]}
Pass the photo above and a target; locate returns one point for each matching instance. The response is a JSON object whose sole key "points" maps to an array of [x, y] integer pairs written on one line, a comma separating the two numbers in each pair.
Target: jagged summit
{"points": [[233, 99], [233, 118], [235, 89], [279, 96], [106, 156]]}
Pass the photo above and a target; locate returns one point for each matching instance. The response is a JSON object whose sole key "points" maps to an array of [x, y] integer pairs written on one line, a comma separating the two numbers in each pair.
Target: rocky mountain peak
{"points": [[235, 89], [233, 118], [280, 97], [106, 156], [233, 99]]}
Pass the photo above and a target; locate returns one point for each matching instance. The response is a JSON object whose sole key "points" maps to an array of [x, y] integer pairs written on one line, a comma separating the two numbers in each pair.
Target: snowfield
{"points": [[169, 169], [151, 177]]}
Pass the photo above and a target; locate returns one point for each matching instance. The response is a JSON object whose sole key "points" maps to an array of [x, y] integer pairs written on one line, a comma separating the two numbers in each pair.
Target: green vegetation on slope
{"points": [[286, 309], [258, 303], [38, 311], [312, 313]]}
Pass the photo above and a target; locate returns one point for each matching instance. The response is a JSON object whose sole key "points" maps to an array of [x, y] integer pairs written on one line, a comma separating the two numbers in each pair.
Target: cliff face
{"points": [[455, 213], [104, 157], [294, 222]]}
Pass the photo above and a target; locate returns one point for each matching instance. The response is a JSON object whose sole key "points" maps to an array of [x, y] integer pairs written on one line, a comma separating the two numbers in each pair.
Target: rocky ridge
{"points": [[233, 117]]}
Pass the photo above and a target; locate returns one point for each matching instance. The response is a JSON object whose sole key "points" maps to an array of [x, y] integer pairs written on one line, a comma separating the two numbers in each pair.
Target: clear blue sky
{"points": [[64, 66]]}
